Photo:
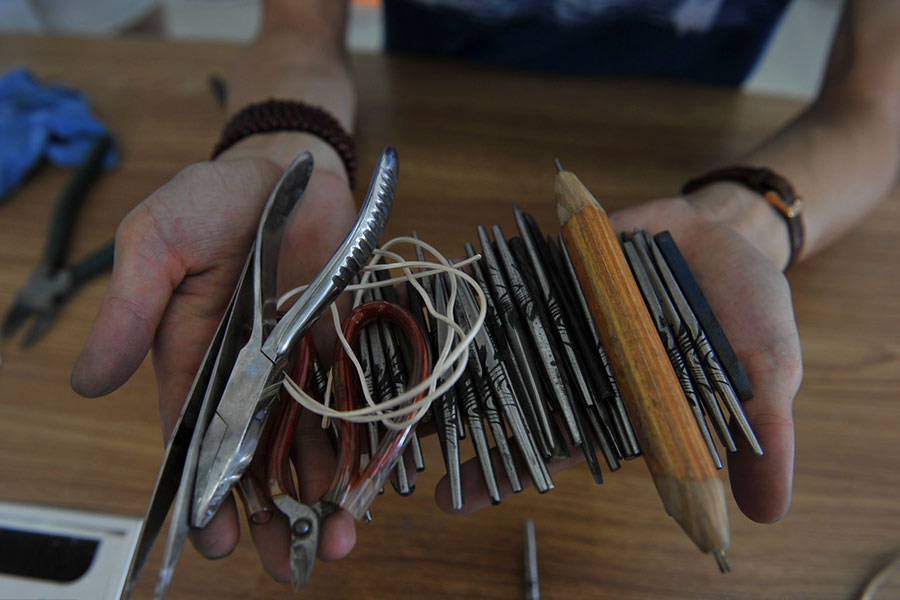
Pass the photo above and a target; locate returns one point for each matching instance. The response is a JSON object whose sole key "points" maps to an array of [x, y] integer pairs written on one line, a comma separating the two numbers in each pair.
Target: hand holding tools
{"points": [[244, 364], [233, 433]]}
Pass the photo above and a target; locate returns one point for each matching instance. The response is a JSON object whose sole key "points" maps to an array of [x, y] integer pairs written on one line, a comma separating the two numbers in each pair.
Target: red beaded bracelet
{"points": [[290, 115]]}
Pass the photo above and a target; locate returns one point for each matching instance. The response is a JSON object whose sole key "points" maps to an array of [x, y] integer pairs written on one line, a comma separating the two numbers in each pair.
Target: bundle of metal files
{"points": [[512, 354], [539, 372]]}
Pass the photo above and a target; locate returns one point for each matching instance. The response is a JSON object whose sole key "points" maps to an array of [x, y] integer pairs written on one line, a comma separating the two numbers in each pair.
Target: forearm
{"points": [[298, 55], [841, 154]]}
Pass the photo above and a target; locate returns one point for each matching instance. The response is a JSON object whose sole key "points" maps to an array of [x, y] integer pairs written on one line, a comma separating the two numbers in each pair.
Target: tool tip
{"points": [[721, 561], [558, 165]]}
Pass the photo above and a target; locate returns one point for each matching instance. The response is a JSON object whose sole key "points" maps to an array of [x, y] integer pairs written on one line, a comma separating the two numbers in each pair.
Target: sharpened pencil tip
{"points": [[558, 165]]}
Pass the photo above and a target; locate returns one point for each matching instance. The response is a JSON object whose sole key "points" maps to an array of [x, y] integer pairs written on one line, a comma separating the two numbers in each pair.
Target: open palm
{"points": [[752, 301], [178, 256]]}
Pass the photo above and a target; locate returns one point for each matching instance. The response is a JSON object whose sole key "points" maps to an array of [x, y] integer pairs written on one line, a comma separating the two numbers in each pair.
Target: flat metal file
{"points": [[708, 322], [483, 387], [393, 384], [515, 332], [546, 434], [622, 421], [710, 360], [447, 403], [531, 257], [427, 284], [663, 326], [599, 414], [471, 408], [541, 344], [370, 341], [490, 368], [688, 349], [578, 404]]}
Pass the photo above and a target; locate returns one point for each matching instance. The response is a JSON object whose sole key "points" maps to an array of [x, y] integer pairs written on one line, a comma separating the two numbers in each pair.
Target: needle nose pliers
{"points": [[53, 281]]}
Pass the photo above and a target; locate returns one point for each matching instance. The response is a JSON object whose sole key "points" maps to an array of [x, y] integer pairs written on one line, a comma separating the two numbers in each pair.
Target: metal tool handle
{"points": [[284, 198], [70, 200], [343, 265]]}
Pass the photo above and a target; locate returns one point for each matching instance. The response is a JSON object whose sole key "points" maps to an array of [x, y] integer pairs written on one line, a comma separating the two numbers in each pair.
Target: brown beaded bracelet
{"points": [[290, 115]]}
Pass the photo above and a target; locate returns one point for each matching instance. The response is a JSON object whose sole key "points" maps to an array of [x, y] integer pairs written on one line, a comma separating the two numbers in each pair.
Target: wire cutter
{"points": [[244, 366], [350, 489], [52, 282]]}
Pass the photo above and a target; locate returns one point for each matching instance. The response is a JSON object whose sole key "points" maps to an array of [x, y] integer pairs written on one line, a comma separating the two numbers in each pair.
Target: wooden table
{"points": [[472, 141]]}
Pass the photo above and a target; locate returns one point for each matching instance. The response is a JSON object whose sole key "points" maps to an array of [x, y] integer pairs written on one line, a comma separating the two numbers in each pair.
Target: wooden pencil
{"points": [[671, 444]]}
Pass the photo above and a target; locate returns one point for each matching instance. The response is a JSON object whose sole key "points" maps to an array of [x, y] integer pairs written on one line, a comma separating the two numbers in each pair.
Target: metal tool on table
{"points": [[54, 281], [244, 365], [531, 584]]}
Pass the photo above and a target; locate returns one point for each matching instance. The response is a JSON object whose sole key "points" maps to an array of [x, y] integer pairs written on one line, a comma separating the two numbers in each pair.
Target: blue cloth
{"points": [[40, 121], [714, 41]]}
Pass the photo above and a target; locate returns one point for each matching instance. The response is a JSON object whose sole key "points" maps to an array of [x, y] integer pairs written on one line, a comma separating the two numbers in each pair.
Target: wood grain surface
{"points": [[472, 141]]}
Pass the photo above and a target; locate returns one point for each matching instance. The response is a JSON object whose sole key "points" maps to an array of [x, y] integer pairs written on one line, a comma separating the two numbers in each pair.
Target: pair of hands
{"points": [[179, 253]]}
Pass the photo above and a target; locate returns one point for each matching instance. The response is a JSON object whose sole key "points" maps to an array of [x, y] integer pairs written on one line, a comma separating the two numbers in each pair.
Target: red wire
{"points": [[348, 464], [280, 480], [278, 470]]}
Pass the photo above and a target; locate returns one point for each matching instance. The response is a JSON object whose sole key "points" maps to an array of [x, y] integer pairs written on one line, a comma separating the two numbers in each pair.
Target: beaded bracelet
{"points": [[290, 115]]}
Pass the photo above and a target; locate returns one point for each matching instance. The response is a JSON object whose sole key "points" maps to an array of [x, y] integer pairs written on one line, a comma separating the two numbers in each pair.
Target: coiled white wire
{"points": [[448, 366]]}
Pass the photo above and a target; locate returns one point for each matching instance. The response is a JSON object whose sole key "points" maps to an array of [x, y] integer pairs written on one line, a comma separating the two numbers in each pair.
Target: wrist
{"points": [[286, 65], [282, 147], [748, 213]]}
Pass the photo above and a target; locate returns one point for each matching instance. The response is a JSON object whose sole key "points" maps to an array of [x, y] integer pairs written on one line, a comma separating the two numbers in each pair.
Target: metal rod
{"points": [[534, 260], [398, 360], [701, 343], [532, 586], [472, 410], [447, 404], [621, 420], [541, 345], [683, 340], [513, 330], [492, 370], [546, 435]]}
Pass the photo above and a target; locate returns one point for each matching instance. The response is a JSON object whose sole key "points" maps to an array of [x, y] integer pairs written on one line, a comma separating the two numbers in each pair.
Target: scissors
{"points": [[53, 282], [226, 409], [350, 489]]}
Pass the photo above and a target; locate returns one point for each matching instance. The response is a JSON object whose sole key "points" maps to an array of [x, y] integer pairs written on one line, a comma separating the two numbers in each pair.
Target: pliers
{"points": [[252, 384], [350, 489], [229, 402], [53, 282]]}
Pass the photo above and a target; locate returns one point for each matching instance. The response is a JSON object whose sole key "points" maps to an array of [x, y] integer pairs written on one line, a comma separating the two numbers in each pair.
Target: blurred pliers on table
{"points": [[232, 395], [53, 281]]}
